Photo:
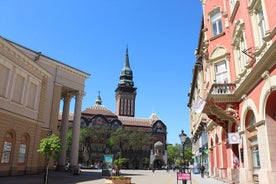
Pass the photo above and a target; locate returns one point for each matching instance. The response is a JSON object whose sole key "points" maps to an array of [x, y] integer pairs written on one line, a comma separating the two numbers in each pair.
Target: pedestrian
{"points": [[202, 168], [117, 170], [67, 166], [168, 168]]}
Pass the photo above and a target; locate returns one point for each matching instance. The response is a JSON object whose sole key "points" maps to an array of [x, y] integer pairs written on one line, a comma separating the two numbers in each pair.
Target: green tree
{"points": [[188, 155], [118, 164], [133, 138], [88, 134], [49, 147], [174, 154], [120, 161]]}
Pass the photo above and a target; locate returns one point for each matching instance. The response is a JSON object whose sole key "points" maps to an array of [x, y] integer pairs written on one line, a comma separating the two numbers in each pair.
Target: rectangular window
{"points": [[221, 72], [216, 24], [255, 154], [256, 157], [261, 24], [22, 153]]}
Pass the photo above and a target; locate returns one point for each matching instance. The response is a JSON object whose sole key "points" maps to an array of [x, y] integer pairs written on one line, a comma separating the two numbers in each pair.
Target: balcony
{"points": [[223, 89], [222, 102]]}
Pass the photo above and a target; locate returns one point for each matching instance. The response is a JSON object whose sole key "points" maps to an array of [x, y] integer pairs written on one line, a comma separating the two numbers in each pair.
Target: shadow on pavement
{"points": [[54, 178]]}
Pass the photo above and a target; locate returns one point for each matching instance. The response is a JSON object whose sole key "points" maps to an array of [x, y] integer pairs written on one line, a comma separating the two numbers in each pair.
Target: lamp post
{"points": [[183, 137]]}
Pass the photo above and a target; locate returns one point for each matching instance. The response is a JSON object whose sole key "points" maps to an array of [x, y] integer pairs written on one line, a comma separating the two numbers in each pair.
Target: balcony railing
{"points": [[223, 89]]}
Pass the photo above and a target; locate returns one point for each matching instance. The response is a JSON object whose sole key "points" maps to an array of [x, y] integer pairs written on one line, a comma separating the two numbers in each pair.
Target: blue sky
{"points": [[92, 35]]}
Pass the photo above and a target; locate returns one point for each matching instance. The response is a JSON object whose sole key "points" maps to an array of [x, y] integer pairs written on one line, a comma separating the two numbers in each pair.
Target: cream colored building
{"points": [[32, 86]]}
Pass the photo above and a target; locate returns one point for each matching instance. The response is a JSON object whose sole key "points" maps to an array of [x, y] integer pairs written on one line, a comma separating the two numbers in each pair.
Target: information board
{"points": [[183, 176]]}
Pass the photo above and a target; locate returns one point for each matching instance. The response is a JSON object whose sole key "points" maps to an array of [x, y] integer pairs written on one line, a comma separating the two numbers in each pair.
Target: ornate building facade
{"points": [[31, 87], [237, 48], [100, 117]]}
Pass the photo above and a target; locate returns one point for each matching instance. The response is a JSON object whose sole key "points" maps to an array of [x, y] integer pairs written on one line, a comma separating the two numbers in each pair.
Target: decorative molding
{"points": [[244, 97], [17, 54], [265, 75], [234, 9], [270, 35], [238, 30], [260, 123], [254, 77], [218, 53]]}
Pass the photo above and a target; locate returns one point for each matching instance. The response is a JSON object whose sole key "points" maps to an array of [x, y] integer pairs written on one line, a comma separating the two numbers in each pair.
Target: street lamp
{"points": [[183, 137]]}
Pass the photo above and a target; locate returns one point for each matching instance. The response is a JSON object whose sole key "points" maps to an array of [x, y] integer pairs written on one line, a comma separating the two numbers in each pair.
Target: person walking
{"points": [[202, 168]]}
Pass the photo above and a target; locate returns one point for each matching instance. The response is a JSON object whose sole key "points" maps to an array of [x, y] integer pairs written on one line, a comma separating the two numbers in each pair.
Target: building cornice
{"points": [[266, 63], [18, 54]]}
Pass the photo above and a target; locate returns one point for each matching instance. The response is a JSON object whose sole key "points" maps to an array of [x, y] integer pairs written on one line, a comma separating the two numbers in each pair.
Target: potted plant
{"points": [[118, 180], [118, 163]]}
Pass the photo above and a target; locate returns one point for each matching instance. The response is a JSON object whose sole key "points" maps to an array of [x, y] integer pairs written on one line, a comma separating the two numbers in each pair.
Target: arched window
{"points": [[250, 122], [250, 119], [7, 148], [158, 148], [23, 149]]}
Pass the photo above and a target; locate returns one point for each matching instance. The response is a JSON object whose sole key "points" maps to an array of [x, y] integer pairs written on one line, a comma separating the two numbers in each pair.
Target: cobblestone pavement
{"points": [[95, 177]]}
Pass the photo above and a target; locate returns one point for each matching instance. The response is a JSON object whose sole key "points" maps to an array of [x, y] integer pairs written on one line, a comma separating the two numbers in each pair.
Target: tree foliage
{"points": [[49, 147], [120, 161], [175, 154], [132, 138], [119, 139]]}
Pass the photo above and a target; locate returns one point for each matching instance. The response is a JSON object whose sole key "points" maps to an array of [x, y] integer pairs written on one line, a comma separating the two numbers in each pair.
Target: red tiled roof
{"points": [[133, 121], [71, 116], [126, 120], [98, 109]]}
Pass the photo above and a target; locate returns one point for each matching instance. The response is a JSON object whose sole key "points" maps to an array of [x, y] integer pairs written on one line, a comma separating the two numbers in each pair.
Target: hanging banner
{"points": [[234, 138], [198, 106]]}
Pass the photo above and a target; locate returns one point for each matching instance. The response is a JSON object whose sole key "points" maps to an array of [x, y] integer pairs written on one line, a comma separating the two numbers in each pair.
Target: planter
{"points": [[118, 180]]}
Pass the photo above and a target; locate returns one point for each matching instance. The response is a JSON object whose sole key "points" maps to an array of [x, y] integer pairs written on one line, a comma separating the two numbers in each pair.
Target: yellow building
{"points": [[31, 88]]}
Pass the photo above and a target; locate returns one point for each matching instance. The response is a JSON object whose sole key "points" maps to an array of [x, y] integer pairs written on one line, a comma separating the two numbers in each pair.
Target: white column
{"points": [[63, 130], [76, 130]]}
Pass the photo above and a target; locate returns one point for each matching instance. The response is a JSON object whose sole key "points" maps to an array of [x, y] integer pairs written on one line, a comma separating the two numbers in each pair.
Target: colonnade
{"points": [[74, 151]]}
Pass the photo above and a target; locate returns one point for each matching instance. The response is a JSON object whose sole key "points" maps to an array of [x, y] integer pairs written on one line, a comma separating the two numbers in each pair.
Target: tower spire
{"points": [[127, 59], [125, 92], [99, 99], [126, 73]]}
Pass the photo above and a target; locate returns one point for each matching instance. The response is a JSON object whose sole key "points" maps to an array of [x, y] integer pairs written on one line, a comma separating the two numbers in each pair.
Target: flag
{"points": [[198, 105]]}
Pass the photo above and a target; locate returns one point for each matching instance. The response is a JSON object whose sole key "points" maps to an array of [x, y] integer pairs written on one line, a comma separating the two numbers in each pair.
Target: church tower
{"points": [[126, 92]]}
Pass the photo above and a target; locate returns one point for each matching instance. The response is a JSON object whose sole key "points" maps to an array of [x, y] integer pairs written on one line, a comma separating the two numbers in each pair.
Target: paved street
{"points": [[95, 177]]}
